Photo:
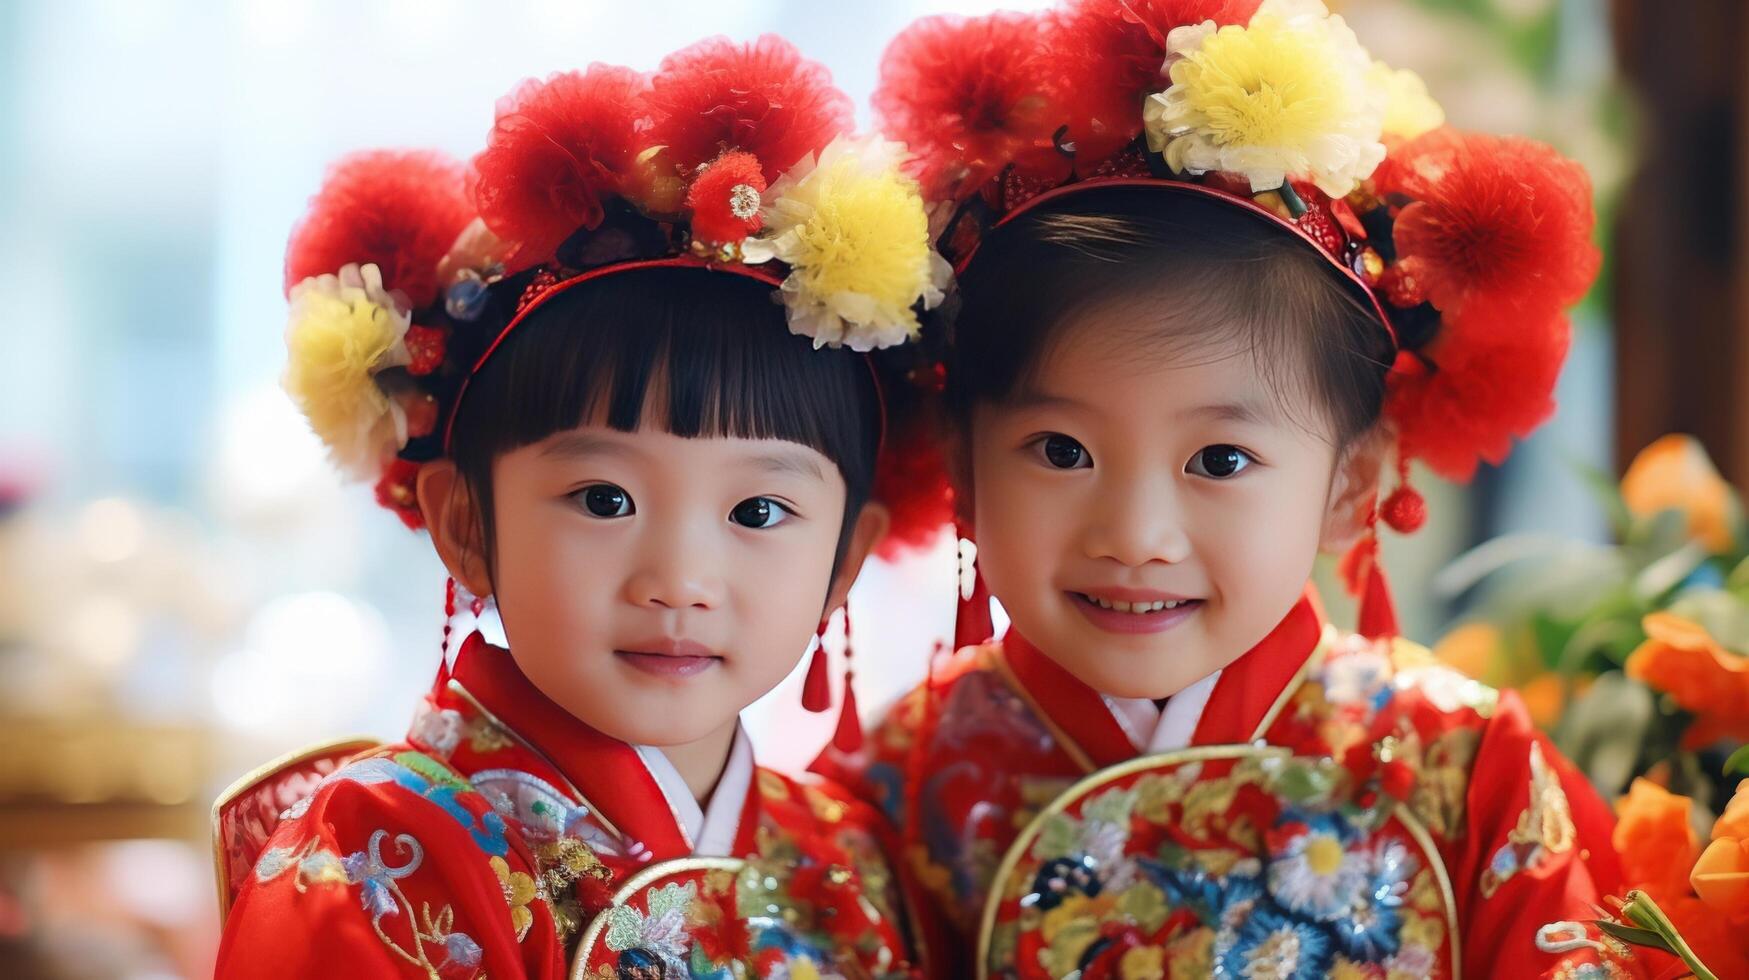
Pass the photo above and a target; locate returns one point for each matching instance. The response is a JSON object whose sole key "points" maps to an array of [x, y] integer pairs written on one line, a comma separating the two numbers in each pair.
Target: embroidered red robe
{"points": [[504, 838], [1345, 807]]}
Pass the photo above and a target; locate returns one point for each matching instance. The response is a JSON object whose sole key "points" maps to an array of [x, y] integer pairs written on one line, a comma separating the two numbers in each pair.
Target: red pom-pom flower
{"points": [[912, 481], [1106, 57], [1497, 229], [556, 149], [400, 210], [1480, 391], [763, 97], [966, 97], [724, 199], [398, 491]]}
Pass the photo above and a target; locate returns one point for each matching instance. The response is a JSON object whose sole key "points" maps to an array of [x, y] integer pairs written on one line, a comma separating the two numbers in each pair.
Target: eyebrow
{"points": [[798, 464], [1239, 411], [1028, 397], [575, 444]]}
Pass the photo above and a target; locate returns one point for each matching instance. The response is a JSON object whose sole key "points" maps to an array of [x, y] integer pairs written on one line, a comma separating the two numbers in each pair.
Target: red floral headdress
{"points": [[410, 269], [1471, 247]]}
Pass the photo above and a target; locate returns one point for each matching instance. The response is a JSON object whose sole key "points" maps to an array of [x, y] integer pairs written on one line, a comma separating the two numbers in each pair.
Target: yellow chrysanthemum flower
{"points": [[1286, 95], [1409, 110], [344, 329], [854, 231]]}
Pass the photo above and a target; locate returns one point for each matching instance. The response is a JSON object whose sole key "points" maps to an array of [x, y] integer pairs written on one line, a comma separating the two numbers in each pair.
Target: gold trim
{"points": [[594, 811], [1430, 852], [1326, 640], [637, 883], [240, 785], [998, 661]]}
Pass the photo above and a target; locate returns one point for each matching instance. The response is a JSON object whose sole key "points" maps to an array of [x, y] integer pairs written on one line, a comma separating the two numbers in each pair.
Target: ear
{"points": [[870, 528], [454, 522], [1354, 489]]}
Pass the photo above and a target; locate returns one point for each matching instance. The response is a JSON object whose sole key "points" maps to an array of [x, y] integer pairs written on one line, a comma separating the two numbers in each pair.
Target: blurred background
{"points": [[186, 588]]}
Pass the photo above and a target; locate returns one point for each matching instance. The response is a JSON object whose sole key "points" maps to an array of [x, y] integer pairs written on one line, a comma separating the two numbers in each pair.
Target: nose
{"points": [[1136, 521], [676, 568]]}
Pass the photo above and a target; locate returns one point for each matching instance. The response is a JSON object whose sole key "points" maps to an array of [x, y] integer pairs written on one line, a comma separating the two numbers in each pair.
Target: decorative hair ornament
{"points": [[1470, 247], [409, 268]]}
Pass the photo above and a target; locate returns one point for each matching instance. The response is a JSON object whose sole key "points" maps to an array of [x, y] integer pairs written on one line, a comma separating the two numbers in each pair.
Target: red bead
{"points": [[1405, 510], [421, 411], [1322, 227], [427, 346], [542, 281]]}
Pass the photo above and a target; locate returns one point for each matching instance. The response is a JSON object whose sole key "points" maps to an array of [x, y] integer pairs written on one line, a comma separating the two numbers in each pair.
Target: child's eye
{"points": [[606, 500], [1063, 452], [759, 512], [1218, 462]]}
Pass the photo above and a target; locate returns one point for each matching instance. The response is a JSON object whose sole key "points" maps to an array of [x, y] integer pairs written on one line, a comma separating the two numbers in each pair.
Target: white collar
{"points": [[1153, 730], [711, 828]]}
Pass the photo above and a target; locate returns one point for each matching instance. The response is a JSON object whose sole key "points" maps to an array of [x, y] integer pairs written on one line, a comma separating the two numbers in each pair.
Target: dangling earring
{"points": [[816, 689], [972, 624], [848, 738], [448, 614], [1376, 617]]}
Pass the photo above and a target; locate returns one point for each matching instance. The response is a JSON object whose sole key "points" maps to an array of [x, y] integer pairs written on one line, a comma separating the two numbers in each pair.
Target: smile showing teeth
{"points": [[1140, 608]]}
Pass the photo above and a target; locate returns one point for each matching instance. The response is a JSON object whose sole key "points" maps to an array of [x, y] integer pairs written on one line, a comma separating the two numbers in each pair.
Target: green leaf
{"points": [[1636, 936], [1724, 616], [1738, 581], [1604, 733], [1738, 763], [1666, 573], [1608, 493]]}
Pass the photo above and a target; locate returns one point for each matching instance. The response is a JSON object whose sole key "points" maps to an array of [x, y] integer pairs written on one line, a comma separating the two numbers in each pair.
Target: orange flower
{"points": [[1544, 695], [1680, 657], [1674, 473], [1655, 839], [1472, 650], [1721, 876], [1734, 822]]}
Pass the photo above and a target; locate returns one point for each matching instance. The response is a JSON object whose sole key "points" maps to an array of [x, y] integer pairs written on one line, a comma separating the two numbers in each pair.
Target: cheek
{"points": [[553, 572], [780, 585], [1261, 538], [1024, 521]]}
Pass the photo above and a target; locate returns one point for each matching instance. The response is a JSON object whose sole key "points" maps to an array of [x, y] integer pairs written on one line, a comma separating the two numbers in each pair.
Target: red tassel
{"points": [[848, 737], [816, 688], [1377, 617]]}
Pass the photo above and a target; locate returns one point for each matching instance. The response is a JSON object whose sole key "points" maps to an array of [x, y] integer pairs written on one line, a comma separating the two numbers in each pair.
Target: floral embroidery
{"points": [[1312, 870], [380, 894], [519, 890], [657, 937], [1439, 797], [1173, 859], [1544, 828]]}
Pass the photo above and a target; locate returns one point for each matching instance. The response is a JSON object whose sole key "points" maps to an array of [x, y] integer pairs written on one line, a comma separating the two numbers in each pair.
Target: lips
{"points": [[670, 657], [1132, 611], [1138, 608]]}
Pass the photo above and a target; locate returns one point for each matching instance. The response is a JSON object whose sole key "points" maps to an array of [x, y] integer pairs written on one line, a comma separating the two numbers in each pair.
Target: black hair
{"points": [[714, 348], [1225, 275]]}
